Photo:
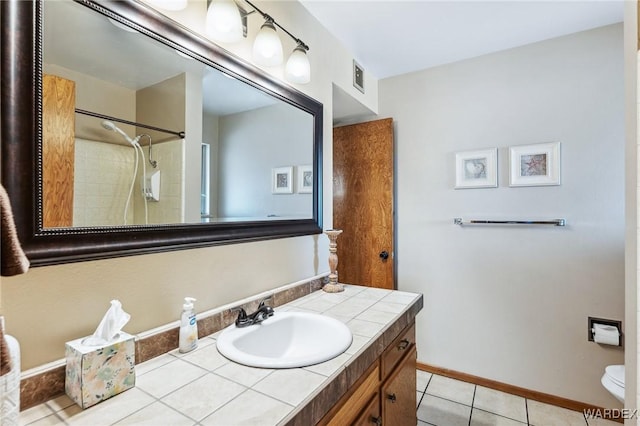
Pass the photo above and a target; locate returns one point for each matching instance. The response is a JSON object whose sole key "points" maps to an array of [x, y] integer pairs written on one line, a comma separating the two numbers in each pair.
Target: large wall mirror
{"points": [[125, 133]]}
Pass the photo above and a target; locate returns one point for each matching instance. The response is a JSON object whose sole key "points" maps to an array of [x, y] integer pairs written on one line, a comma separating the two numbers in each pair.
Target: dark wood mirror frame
{"points": [[21, 118]]}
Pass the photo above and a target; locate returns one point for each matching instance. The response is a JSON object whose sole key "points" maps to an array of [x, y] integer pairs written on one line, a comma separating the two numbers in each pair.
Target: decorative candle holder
{"points": [[332, 286]]}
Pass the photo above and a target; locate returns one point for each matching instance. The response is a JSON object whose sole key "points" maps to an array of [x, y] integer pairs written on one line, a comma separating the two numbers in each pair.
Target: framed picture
{"points": [[305, 179], [282, 180], [534, 165], [477, 169]]}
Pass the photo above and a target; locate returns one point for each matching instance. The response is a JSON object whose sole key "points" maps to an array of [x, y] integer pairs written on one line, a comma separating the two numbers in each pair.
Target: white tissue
{"points": [[110, 326]]}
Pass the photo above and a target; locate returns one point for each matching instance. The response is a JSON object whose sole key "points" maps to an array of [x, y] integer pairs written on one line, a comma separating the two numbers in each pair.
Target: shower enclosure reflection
{"points": [[145, 180], [158, 102]]}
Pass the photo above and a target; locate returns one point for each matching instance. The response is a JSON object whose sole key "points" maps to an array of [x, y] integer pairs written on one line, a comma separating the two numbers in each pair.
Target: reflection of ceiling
{"points": [[78, 38], [221, 94]]}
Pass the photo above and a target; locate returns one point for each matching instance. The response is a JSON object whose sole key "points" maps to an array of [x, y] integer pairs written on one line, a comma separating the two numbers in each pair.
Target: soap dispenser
{"points": [[188, 339]]}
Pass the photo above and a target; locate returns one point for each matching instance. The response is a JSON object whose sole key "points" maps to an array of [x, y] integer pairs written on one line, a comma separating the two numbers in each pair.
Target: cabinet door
{"points": [[401, 346], [370, 415], [399, 394], [353, 404]]}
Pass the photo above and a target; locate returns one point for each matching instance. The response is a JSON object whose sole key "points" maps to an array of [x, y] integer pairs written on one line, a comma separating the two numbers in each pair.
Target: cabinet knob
{"points": [[404, 344], [384, 255], [376, 420], [392, 397]]}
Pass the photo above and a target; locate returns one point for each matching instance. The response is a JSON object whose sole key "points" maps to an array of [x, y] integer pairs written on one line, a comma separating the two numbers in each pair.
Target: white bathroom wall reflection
{"points": [[128, 76], [248, 153]]}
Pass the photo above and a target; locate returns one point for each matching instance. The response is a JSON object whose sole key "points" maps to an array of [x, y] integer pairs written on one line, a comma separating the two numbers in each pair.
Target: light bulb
{"points": [[298, 68], [223, 21], [169, 4], [267, 48]]}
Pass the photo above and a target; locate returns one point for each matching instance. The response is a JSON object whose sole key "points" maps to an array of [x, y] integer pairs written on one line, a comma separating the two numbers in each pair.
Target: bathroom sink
{"points": [[285, 340]]}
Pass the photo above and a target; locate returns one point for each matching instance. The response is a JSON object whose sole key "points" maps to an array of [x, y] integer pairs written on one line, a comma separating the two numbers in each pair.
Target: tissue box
{"points": [[96, 373]]}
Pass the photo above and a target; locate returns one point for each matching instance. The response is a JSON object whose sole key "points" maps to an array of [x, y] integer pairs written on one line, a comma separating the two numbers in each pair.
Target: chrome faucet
{"points": [[263, 312]]}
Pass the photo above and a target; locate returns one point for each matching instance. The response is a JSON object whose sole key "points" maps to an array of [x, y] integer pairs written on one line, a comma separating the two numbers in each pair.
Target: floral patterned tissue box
{"points": [[96, 373]]}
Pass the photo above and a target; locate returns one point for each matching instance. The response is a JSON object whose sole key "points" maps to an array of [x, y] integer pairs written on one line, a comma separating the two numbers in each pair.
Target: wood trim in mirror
{"points": [[21, 127]]}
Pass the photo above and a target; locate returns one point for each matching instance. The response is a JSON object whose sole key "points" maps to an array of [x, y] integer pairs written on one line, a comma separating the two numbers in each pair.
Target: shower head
{"points": [[109, 125], [112, 127]]}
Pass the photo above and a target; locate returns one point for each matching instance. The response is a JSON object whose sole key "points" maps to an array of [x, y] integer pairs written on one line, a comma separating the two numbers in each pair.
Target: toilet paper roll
{"points": [[606, 334]]}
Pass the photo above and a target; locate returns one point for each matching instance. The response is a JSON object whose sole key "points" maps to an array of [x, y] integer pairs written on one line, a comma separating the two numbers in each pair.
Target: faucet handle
{"points": [[262, 304], [242, 314]]}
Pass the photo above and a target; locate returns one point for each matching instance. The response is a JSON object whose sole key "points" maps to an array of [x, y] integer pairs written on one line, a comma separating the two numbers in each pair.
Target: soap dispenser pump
{"points": [[188, 338]]}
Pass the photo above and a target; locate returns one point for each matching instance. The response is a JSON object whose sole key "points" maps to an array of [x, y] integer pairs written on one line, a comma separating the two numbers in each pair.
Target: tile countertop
{"points": [[204, 388]]}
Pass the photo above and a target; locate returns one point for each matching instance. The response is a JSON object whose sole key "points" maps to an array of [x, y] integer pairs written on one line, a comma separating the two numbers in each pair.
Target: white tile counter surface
{"points": [[204, 388]]}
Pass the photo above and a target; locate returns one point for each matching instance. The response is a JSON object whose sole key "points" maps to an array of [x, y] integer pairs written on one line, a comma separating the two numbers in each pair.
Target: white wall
{"points": [[254, 142], [511, 304], [632, 187]]}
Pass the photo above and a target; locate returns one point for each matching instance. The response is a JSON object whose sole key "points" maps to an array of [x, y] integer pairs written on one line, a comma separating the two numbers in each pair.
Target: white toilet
{"points": [[613, 381]]}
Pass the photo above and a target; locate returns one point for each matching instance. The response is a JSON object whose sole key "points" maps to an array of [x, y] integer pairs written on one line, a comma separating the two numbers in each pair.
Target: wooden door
{"points": [[58, 151], [363, 203]]}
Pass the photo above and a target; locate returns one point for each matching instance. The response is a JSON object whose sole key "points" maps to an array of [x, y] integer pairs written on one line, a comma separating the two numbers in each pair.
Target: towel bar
{"points": [[553, 222]]}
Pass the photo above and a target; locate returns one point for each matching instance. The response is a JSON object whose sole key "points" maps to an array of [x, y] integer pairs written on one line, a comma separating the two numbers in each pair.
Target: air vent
{"points": [[358, 76]]}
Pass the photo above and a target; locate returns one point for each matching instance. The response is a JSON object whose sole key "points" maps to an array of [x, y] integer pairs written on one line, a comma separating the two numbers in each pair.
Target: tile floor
{"points": [[447, 402]]}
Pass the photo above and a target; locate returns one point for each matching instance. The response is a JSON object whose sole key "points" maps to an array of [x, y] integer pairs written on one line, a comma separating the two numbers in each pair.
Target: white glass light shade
{"points": [[298, 68], [267, 48], [223, 21], [169, 4], [121, 26]]}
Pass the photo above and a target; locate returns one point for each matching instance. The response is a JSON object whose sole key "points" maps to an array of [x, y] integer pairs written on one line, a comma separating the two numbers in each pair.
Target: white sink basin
{"points": [[286, 340]]}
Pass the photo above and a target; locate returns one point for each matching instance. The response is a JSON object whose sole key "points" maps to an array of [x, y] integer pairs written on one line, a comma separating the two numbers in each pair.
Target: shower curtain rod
{"points": [[554, 222], [120, 120]]}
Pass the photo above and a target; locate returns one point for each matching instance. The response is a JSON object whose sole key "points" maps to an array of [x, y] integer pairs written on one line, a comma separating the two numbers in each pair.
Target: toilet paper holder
{"points": [[613, 323]]}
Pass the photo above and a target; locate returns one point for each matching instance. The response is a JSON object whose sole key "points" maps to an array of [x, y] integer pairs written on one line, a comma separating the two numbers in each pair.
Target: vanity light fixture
{"points": [[298, 68], [121, 26], [226, 21], [267, 47]]}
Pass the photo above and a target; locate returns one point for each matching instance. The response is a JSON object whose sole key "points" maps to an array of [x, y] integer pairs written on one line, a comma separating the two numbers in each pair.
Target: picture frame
{"points": [[477, 169], [534, 165], [305, 179], [282, 180]]}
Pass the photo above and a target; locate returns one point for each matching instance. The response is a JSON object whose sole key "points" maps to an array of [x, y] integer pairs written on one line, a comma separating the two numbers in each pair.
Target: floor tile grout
{"points": [[450, 413], [473, 400]]}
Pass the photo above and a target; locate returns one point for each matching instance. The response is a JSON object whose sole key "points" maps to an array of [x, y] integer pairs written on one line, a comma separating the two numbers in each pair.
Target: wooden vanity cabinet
{"points": [[371, 414], [350, 408], [398, 393], [386, 393]]}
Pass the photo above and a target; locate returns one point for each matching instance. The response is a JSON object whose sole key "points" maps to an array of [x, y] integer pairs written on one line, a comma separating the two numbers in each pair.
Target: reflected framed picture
{"points": [[282, 180], [534, 165], [305, 179], [477, 169]]}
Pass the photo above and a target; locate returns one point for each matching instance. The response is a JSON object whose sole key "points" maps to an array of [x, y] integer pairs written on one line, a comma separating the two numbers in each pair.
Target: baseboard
{"points": [[610, 414]]}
